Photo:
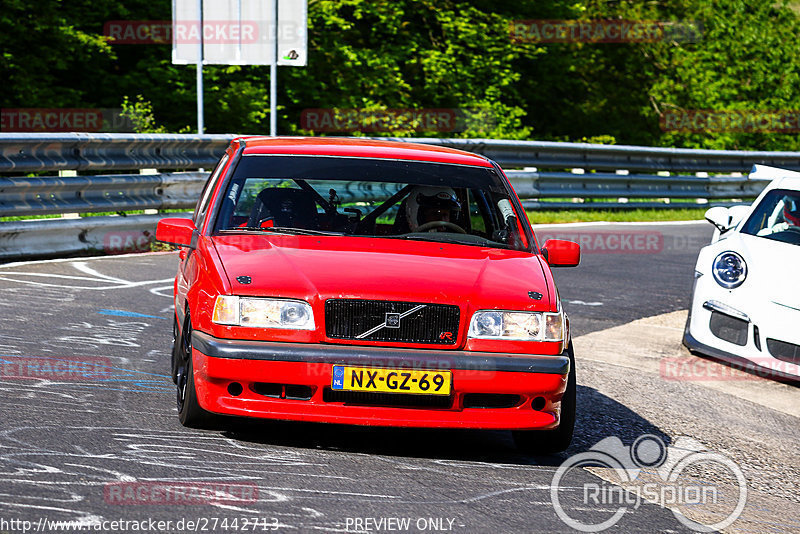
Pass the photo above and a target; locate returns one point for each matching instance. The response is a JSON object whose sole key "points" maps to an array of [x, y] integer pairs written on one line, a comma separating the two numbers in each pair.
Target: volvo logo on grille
{"points": [[392, 320]]}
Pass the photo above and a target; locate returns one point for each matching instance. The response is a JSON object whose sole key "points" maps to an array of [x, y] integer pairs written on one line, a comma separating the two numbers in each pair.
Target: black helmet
{"points": [[424, 197]]}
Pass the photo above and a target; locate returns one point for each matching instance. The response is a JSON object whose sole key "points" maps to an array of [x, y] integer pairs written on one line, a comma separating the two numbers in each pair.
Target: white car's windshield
{"points": [[371, 198], [776, 217]]}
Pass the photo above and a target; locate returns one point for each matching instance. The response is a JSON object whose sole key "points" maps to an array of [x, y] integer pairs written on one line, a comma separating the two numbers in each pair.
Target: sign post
{"points": [[200, 117], [240, 32], [273, 73]]}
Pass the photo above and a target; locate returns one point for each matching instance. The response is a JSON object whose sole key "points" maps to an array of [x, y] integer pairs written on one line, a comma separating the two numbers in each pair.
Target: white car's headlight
{"points": [[519, 326], [729, 270], [263, 313]]}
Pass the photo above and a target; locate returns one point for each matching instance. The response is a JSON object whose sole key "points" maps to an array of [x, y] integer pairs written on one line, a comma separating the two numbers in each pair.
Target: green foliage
{"points": [[141, 116], [430, 54]]}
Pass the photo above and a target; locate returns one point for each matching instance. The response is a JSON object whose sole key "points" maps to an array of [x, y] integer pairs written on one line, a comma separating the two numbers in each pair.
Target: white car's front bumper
{"points": [[738, 325]]}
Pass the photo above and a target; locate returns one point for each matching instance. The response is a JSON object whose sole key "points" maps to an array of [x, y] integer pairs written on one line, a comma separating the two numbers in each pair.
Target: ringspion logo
{"points": [[649, 470]]}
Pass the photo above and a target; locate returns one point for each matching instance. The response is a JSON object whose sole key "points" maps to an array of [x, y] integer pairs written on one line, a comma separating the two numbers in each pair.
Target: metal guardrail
{"points": [[85, 151], [65, 237], [622, 187], [34, 152], [88, 194], [637, 180], [546, 154]]}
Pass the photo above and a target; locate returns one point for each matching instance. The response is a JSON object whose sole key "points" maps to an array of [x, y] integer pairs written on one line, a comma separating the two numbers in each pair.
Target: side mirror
{"points": [[180, 232], [724, 219], [560, 253], [719, 217]]}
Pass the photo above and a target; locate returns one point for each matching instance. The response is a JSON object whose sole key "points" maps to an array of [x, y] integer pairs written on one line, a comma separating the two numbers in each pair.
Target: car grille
{"points": [[729, 328], [408, 322], [787, 352]]}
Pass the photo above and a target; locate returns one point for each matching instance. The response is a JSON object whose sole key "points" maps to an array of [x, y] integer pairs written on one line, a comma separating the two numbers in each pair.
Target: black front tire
{"points": [[176, 351], [190, 413], [541, 442]]}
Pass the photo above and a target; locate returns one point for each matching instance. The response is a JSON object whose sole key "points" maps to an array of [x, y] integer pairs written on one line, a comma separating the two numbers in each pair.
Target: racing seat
{"points": [[295, 208], [401, 225]]}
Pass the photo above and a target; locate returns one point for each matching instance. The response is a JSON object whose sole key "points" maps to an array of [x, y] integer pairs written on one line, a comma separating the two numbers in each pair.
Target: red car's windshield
{"points": [[371, 198]]}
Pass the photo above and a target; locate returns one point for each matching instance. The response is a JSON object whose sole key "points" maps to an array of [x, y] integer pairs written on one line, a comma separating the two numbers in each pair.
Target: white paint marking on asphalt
{"points": [[502, 492], [125, 285], [582, 303], [91, 258], [40, 507], [159, 291], [51, 275], [326, 492], [122, 477], [84, 268], [312, 512], [94, 276]]}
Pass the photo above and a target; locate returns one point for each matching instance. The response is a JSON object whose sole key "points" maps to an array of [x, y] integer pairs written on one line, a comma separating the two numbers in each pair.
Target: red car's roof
{"points": [[362, 148]]}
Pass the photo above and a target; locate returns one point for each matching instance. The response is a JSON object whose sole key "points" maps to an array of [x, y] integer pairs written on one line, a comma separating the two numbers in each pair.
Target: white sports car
{"points": [[746, 299]]}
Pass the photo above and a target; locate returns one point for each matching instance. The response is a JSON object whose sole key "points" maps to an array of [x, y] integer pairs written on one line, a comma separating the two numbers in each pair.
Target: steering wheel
{"points": [[440, 224]]}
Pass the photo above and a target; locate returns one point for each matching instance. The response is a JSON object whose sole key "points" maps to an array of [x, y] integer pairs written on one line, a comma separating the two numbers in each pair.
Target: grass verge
{"points": [[617, 215]]}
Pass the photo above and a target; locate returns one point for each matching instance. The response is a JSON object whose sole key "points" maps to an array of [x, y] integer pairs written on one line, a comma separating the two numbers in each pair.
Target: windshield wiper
{"points": [[481, 242], [281, 230]]}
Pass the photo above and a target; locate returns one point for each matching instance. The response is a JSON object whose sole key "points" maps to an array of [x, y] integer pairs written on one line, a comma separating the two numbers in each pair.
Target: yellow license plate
{"points": [[415, 382]]}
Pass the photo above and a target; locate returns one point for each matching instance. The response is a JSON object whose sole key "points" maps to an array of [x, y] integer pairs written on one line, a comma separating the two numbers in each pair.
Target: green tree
{"points": [[414, 54]]}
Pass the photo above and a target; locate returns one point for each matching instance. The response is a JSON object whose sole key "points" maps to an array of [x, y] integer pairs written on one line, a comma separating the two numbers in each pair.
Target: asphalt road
{"points": [[627, 271], [92, 445]]}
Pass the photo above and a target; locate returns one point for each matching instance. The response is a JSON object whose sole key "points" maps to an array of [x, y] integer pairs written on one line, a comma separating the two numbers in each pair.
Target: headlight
{"points": [[519, 326], [263, 313], [729, 270]]}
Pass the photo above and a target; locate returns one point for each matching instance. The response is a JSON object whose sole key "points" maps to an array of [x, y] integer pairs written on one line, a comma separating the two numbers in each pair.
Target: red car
{"points": [[369, 283]]}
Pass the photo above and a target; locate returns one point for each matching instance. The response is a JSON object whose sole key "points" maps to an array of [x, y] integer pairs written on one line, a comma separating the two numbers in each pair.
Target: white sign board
{"points": [[239, 32]]}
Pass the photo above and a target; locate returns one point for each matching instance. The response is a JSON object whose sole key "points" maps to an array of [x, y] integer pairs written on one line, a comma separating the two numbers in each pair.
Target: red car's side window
{"points": [[202, 205]]}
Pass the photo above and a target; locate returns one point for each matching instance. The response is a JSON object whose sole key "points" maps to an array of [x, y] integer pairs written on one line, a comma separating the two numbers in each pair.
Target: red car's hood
{"points": [[321, 267]]}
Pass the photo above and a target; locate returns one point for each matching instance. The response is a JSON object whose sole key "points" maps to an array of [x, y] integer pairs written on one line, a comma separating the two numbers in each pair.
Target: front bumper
{"points": [[271, 373], [766, 367], [747, 345]]}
